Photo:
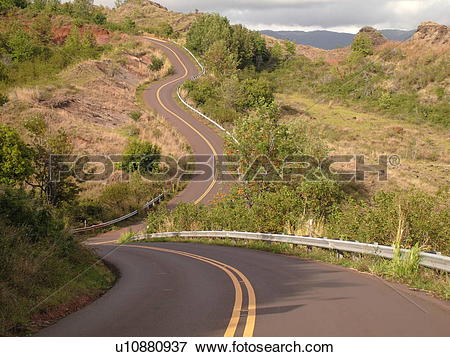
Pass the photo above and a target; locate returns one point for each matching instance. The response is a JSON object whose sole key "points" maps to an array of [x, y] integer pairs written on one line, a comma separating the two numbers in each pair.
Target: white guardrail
{"points": [[202, 72], [430, 260], [148, 205]]}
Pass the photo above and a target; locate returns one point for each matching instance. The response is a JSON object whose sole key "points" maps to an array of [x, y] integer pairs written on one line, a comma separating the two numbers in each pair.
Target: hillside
{"points": [[150, 15], [330, 40], [397, 100]]}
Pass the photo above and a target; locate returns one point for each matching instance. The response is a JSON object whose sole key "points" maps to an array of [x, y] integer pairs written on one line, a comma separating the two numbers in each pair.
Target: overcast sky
{"points": [[339, 15]]}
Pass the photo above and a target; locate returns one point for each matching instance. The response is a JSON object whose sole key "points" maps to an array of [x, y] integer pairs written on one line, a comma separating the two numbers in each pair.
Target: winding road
{"points": [[177, 289]]}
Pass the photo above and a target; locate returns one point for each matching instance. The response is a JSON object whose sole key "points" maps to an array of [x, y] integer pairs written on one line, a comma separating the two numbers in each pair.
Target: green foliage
{"points": [[362, 44], [156, 64], [20, 45], [42, 28], [140, 156], [220, 60], [262, 134], [166, 30], [206, 30], [3, 99], [135, 115], [37, 257], [79, 46], [15, 157], [6, 5], [29, 53], [201, 90], [46, 144], [426, 219], [245, 209], [361, 79], [212, 34], [118, 199], [290, 48], [255, 92], [36, 220]]}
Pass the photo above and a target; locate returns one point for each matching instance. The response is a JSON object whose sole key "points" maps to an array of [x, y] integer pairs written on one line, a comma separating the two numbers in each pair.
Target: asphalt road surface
{"points": [[177, 289]]}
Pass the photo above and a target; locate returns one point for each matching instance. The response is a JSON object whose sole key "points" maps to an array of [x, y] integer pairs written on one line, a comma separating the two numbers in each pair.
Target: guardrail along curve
{"points": [[148, 205], [430, 260]]}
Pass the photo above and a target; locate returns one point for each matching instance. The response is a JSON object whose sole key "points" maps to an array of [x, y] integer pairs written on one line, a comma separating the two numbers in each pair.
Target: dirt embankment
{"points": [[96, 103], [102, 36]]}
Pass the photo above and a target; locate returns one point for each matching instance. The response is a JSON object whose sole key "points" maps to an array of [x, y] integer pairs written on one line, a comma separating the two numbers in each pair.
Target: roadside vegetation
{"points": [[421, 279], [60, 65], [242, 91]]}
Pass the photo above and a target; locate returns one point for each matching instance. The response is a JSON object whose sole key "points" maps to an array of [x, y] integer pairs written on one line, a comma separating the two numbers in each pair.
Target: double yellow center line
{"points": [[233, 274], [158, 97], [236, 276]]}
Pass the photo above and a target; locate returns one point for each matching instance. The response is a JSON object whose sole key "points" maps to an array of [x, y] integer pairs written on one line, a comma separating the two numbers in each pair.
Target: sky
{"points": [[307, 15]]}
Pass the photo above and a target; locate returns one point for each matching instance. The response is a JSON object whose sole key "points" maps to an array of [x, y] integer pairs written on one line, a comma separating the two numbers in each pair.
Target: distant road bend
{"points": [[176, 289]]}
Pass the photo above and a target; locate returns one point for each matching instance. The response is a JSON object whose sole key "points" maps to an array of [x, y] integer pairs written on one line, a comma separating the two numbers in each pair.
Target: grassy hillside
{"points": [[70, 83], [151, 17]]}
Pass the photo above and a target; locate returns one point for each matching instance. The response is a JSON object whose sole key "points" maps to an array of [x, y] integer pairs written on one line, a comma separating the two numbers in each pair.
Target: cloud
{"points": [[319, 14]]}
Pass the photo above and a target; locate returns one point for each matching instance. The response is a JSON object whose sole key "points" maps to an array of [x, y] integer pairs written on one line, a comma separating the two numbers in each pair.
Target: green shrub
{"points": [[15, 157], [362, 44], [37, 258], [3, 99], [156, 64], [140, 156], [426, 219], [135, 115]]}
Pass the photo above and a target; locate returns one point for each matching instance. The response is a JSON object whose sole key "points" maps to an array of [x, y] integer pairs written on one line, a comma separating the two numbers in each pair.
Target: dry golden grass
{"points": [[424, 150]]}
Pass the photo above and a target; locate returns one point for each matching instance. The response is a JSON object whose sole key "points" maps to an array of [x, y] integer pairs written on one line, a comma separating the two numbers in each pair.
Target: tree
{"points": [[220, 60], [261, 134], [15, 157], [362, 44], [140, 156], [247, 47], [206, 30], [290, 48], [42, 28], [46, 145]]}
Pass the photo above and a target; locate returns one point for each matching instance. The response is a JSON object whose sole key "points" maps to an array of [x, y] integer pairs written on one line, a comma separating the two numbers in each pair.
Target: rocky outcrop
{"points": [[375, 35], [158, 5], [432, 33]]}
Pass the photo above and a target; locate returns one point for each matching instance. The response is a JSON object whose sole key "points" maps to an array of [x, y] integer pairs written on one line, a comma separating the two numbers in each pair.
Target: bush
{"points": [[140, 156], [255, 92], [118, 199], [15, 157], [37, 257], [135, 115], [426, 219], [3, 99], [156, 64], [363, 44]]}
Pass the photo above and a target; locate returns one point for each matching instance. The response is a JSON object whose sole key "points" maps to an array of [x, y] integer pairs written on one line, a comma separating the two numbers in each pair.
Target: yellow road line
{"points": [[235, 316], [100, 243], [234, 320], [251, 315], [158, 97]]}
